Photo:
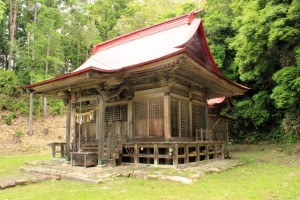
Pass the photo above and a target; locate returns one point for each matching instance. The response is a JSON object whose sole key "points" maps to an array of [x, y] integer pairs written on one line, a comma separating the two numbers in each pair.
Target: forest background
{"points": [[254, 42]]}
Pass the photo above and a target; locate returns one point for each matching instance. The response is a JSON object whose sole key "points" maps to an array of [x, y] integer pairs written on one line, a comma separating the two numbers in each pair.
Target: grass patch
{"points": [[10, 164], [267, 174]]}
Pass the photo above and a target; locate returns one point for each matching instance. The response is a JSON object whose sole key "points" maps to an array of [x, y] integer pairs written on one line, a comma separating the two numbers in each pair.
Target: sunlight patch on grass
{"points": [[10, 164]]}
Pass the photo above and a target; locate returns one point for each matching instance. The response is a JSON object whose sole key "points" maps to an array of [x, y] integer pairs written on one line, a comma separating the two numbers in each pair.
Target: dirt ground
{"points": [[45, 130]]}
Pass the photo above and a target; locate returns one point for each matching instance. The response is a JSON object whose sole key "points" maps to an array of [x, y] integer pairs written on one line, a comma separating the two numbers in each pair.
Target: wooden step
{"points": [[89, 145], [89, 149]]}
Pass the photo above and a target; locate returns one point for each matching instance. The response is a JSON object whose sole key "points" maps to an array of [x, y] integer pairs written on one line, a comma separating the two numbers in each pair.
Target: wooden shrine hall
{"points": [[144, 98]]}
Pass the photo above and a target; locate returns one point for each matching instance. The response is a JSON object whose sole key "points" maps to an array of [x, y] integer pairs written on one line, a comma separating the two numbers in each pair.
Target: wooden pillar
{"points": [[206, 152], [222, 150], [74, 136], [215, 151], [167, 115], [226, 142], [155, 154], [175, 155], [136, 154], [197, 152], [186, 151], [130, 117], [30, 113], [68, 131], [62, 150], [190, 115], [108, 145], [179, 119], [100, 132]]}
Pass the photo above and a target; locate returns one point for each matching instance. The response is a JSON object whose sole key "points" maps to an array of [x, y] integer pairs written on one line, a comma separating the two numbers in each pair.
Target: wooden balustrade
{"points": [[171, 154]]}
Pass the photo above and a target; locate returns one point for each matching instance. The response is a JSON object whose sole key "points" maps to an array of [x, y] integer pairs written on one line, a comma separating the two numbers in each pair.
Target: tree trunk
{"points": [[12, 26], [45, 106], [46, 72], [30, 114]]}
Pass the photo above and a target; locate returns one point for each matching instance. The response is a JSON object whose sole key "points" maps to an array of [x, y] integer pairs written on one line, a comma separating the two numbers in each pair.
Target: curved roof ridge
{"points": [[177, 21]]}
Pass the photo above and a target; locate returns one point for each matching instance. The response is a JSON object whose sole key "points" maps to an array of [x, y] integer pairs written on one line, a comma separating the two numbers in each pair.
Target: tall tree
{"points": [[265, 42], [2, 39], [13, 9], [140, 14]]}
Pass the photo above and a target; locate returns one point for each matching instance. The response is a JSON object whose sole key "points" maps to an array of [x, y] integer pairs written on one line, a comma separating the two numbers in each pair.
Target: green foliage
{"points": [[287, 92], [140, 14], [8, 118], [9, 83], [18, 133], [2, 9], [57, 107], [255, 41], [291, 127], [252, 114]]}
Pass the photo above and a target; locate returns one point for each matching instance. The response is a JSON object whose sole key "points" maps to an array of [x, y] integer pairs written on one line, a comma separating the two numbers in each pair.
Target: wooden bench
{"points": [[85, 159], [62, 149]]}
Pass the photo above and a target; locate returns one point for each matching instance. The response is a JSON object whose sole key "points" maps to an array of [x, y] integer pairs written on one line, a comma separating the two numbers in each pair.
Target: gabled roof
{"points": [[183, 35], [148, 45]]}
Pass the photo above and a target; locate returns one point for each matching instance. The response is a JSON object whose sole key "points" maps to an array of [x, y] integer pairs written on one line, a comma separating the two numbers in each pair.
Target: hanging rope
{"points": [[83, 117]]}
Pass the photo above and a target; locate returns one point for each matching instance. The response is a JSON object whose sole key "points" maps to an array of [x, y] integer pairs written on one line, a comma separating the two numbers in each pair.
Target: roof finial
{"points": [[193, 14]]}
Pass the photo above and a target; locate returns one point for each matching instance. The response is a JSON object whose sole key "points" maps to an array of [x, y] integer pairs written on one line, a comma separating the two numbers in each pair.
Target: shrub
{"points": [[8, 118], [18, 133], [9, 83], [291, 128]]}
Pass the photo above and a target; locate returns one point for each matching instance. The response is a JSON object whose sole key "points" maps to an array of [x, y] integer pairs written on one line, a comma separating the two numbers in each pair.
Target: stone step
{"points": [[23, 179]]}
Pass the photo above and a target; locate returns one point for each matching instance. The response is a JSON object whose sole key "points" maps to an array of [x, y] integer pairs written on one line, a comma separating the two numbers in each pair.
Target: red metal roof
{"points": [[146, 45]]}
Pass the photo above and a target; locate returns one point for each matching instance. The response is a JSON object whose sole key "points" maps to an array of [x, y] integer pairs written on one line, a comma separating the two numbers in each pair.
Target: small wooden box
{"points": [[85, 159]]}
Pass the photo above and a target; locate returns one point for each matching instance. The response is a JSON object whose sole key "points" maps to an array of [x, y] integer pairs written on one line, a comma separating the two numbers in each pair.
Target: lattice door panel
{"points": [[116, 113], [156, 108], [156, 117], [140, 110]]}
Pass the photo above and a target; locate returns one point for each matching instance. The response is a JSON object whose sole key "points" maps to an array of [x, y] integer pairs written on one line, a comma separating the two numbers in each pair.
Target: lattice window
{"points": [[199, 117], [156, 108], [184, 108], [109, 114], [124, 111], [116, 113], [141, 110]]}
